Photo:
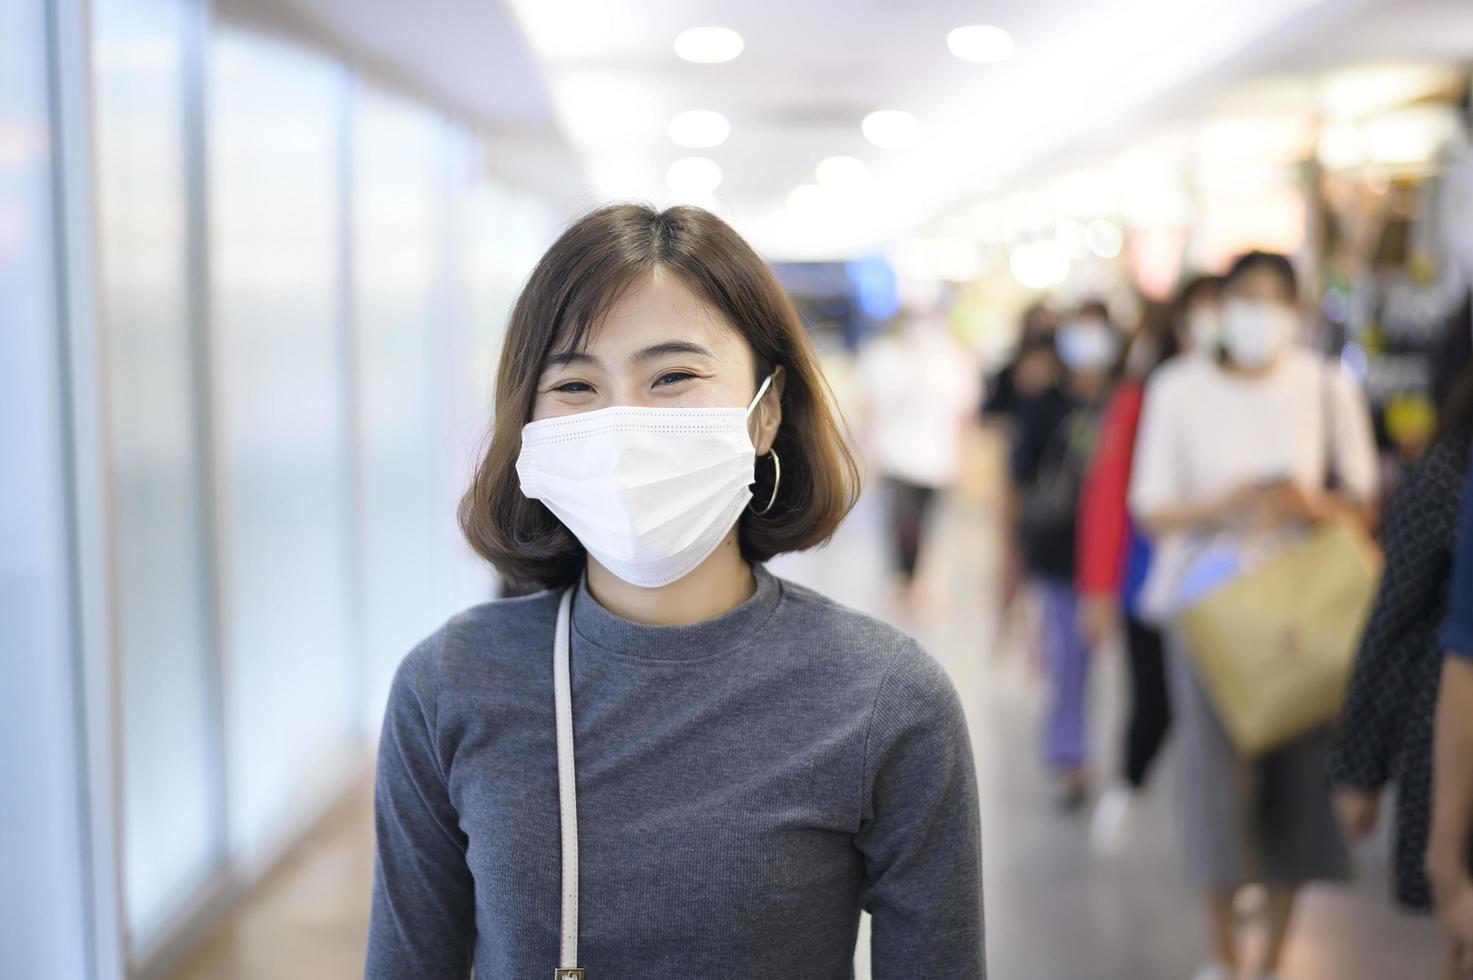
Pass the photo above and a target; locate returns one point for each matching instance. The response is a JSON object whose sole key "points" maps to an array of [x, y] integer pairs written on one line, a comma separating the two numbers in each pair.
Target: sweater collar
{"points": [[695, 641]]}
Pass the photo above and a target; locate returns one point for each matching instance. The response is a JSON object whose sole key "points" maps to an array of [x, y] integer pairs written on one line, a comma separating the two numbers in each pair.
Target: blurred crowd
{"points": [[1211, 489]]}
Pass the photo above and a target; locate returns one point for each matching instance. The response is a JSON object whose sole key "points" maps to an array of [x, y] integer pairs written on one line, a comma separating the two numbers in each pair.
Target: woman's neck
{"points": [[722, 582]]}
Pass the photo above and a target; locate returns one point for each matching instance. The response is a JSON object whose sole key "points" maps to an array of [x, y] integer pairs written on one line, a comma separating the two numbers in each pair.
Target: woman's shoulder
{"points": [[1177, 375], [828, 618], [853, 641], [472, 640], [906, 689]]}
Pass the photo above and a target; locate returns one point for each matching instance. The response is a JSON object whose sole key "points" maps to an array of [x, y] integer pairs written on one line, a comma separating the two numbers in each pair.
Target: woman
{"points": [[1009, 396], [1242, 454], [919, 389], [1386, 727], [747, 765], [1113, 555], [1055, 440]]}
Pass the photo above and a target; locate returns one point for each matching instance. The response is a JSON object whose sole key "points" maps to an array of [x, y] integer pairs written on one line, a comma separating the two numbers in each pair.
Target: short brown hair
{"points": [[566, 297]]}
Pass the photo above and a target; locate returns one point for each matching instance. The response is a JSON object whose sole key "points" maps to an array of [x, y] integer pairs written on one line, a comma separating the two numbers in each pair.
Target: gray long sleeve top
{"points": [[745, 786]]}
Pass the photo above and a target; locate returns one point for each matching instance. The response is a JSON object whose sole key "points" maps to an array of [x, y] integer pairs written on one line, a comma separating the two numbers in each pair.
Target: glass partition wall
{"points": [[299, 280]]}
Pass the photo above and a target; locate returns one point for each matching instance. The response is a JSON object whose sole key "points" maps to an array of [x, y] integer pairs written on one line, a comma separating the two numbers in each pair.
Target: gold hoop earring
{"points": [[777, 479]]}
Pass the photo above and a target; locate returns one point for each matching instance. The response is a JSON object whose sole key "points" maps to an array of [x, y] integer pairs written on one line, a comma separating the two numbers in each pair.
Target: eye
{"points": [[573, 387], [673, 377]]}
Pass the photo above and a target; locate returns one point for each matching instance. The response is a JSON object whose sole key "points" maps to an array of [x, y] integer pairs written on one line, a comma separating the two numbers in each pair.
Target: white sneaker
{"points": [[1214, 971], [1111, 821]]}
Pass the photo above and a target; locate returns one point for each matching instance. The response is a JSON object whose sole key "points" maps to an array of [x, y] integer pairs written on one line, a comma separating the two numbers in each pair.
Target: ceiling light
{"points": [[693, 177], [1039, 265], [708, 45], [891, 128], [841, 172], [699, 129], [980, 42]]}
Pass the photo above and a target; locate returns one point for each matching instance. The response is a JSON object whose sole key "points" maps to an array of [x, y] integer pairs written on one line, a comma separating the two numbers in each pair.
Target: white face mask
{"points": [[650, 492], [1255, 332], [1087, 345]]}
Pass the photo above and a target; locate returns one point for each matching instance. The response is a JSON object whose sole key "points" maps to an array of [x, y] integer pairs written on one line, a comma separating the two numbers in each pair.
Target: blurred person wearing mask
{"points": [[1113, 555], [1054, 443], [1449, 860], [1237, 455], [919, 388], [671, 763], [1031, 371], [1386, 726]]}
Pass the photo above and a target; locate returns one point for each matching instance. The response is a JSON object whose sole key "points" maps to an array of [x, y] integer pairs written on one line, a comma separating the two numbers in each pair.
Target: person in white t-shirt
{"points": [[919, 387], [1243, 451]]}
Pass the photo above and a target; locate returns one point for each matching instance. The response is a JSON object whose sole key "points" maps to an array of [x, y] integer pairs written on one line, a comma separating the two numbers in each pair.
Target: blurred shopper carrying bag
{"points": [[1264, 590], [1274, 636], [1274, 645]]}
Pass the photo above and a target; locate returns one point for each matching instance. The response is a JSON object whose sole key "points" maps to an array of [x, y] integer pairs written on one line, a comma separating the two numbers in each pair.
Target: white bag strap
{"points": [[567, 791], [1330, 479]]}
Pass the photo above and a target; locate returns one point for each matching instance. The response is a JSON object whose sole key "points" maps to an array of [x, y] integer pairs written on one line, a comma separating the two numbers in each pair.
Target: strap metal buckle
{"points": [[568, 973]]}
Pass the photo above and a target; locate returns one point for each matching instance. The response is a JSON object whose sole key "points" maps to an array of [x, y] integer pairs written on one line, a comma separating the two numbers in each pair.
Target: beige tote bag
{"points": [[1274, 647]]}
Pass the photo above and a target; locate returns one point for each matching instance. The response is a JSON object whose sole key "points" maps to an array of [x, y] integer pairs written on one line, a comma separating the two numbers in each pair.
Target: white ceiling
{"points": [[582, 91], [466, 56]]}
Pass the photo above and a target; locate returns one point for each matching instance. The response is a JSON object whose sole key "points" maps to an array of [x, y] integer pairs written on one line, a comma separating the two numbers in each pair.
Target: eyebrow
{"points": [[672, 347], [564, 358]]}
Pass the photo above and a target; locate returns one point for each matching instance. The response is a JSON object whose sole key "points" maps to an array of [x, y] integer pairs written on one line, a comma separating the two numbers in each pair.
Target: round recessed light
{"points": [[891, 128], [708, 45], [841, 172], [699, 129], [981, 43], [694, 176]]}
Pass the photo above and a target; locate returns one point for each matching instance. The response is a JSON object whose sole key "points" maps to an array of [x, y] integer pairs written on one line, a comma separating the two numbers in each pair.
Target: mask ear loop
{"points": [[761, 390], [777, 466]]}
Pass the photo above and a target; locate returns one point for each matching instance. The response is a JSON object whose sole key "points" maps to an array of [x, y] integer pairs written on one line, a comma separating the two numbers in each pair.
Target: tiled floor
{"points": [[1054, 911]]}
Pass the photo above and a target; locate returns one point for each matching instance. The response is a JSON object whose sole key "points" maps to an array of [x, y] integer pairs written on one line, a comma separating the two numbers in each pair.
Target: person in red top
{"points": [[1112, 558]]}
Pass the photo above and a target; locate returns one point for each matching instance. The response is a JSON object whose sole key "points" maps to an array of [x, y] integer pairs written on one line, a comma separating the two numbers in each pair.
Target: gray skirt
{"points": [[1268, 820]]}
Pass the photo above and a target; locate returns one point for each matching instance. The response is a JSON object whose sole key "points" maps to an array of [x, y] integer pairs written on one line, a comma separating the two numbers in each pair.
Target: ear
{"points": [[768, 415]]}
